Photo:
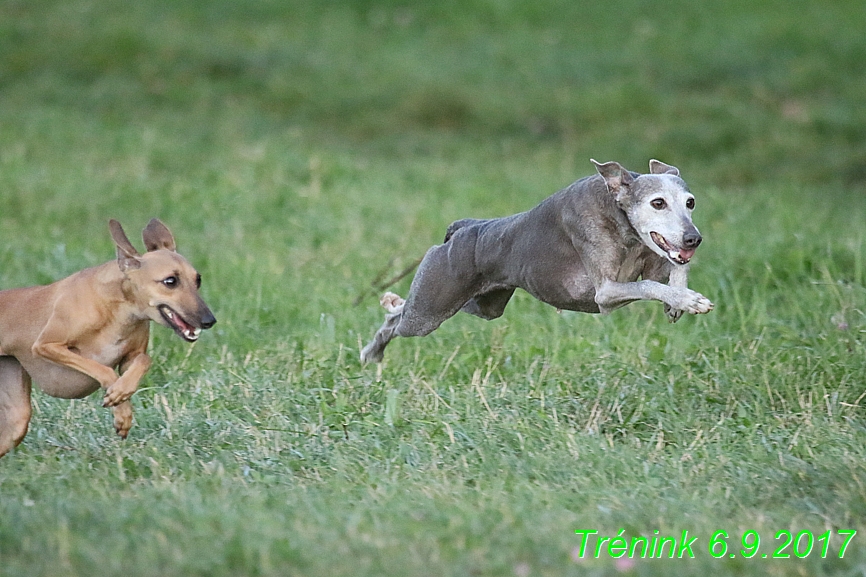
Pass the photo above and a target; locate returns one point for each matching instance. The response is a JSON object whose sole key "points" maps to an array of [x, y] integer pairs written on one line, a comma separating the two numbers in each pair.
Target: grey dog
{"points": [[581, 249]]}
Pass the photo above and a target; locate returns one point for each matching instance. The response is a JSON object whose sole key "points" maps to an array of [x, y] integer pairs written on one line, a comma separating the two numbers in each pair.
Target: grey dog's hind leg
{"points": [[14, 403], [374, 352], [445, 281], [489, 305]]}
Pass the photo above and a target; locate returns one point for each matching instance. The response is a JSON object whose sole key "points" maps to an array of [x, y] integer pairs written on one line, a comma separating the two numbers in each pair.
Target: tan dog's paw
{"points": [[392, 303], [118, 393], [123, 418]]}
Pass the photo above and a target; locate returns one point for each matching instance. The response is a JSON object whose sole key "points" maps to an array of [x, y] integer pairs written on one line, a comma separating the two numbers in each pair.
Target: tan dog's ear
{"points": [[127, 256], [157, 236], [614, 175], [659, 167]]}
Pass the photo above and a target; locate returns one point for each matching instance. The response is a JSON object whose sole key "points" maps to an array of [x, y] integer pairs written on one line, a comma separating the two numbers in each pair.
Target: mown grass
{"points": [[300, 150]]}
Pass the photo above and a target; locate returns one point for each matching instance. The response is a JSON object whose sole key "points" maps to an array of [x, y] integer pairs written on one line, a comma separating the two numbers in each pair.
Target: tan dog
{"points": [[71, 335]]}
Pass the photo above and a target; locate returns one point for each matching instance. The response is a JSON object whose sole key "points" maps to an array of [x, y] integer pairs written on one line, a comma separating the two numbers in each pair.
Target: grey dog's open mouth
{"points": [[677, 255], [185, 330]]}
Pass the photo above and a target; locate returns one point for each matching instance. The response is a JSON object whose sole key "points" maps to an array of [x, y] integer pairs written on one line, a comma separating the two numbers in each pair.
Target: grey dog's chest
{"points": [[633, 263], [554, 271]]}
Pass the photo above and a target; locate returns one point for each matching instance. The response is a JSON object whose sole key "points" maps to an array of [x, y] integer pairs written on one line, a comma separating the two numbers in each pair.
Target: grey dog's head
{"points": [[658, 205]]}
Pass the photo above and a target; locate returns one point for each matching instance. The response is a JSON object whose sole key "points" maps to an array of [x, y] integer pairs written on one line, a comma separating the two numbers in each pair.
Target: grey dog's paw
{"points": [[698, 304], [372, 354], [673, 314], [687, 300]]}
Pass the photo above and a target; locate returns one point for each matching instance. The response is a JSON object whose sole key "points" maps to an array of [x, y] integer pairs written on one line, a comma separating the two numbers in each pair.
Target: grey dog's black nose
{"points": [[692, 239]]}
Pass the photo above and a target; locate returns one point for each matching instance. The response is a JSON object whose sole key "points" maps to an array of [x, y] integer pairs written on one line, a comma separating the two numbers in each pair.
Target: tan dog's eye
{"points": [[170, 282], [658, 203], [198, 281], [690, 204]]}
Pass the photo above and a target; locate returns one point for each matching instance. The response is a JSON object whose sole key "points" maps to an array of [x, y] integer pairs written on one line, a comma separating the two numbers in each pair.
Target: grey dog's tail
{"points": [[458, 224]]}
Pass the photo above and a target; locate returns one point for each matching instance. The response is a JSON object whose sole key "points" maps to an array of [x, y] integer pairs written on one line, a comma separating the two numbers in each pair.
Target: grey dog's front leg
{"points": [[612, 295], [679, 277]]}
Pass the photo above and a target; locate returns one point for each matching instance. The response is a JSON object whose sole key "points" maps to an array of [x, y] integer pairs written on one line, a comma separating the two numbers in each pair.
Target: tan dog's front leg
{"points": [[59, 353], [124, 387]]}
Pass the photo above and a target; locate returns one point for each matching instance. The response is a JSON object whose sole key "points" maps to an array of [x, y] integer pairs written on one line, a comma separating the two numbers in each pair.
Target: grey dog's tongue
{"points": [[687, 253]]}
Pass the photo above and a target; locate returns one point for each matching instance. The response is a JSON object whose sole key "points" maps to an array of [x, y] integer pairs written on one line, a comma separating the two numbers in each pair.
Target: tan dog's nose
{"points": [[207, 320]]}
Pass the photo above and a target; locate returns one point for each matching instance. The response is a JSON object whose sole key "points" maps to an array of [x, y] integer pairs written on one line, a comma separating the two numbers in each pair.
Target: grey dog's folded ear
{"points": [[659, 167], [127, 256], [157, 236], [615, 176]]}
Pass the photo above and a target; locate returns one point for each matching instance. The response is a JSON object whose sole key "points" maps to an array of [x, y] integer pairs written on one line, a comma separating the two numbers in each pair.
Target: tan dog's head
{"points": [[162, 282]]}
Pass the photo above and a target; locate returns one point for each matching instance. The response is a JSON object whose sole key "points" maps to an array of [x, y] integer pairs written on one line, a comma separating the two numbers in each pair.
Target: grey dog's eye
{"points": [[690, 203], [170, 282], [658, 203]]}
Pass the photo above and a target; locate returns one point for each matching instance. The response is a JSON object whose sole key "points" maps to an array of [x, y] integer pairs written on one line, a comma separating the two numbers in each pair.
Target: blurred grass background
{"points": [[300, 149]]}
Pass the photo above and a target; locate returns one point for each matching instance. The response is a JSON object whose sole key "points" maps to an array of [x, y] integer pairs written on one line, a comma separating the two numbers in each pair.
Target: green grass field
{"points": [[300, 150]]}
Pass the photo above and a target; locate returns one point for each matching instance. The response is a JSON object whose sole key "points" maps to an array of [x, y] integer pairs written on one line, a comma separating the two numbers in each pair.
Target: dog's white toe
{"points": [[701, 306], [691, 302]]}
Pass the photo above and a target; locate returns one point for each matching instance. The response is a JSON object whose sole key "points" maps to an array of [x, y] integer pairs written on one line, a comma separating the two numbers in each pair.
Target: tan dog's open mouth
{"points": [[678, 256], [185, 330]]}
